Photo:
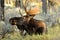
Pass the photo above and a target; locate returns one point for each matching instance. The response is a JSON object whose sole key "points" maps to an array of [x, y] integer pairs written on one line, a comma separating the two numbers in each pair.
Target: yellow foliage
{"points": [[33, 1], [10, 3]]}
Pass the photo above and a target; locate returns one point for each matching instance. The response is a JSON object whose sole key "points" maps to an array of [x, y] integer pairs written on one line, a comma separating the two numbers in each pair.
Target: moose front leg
{"points": [[23, 32]]}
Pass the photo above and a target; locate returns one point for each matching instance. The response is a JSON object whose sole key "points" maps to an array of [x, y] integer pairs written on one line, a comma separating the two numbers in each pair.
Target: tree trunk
{"points": [[2, 6], [44, 6]]}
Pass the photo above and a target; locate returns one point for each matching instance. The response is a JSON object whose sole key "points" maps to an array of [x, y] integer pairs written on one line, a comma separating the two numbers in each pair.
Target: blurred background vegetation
{"points": [[49, 13]]}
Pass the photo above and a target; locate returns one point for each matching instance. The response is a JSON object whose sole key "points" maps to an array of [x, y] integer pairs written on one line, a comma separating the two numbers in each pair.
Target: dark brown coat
{"points": [[32, 26]]}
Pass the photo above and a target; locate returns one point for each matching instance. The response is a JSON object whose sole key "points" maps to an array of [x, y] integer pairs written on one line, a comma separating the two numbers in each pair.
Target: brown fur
{"points": [[37, 26], [29, 24]]}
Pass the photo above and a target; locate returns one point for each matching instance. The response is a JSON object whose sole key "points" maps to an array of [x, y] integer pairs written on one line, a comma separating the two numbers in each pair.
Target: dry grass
{"points": [[52, 33]]}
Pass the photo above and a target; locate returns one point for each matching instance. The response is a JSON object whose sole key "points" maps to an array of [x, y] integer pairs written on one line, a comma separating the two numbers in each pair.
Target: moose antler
{"points": [[33, 8], [20, 12], [25, 7]]}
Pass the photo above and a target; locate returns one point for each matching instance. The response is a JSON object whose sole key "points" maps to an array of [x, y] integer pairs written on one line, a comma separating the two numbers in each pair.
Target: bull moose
{"points": [[31, 26]]}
